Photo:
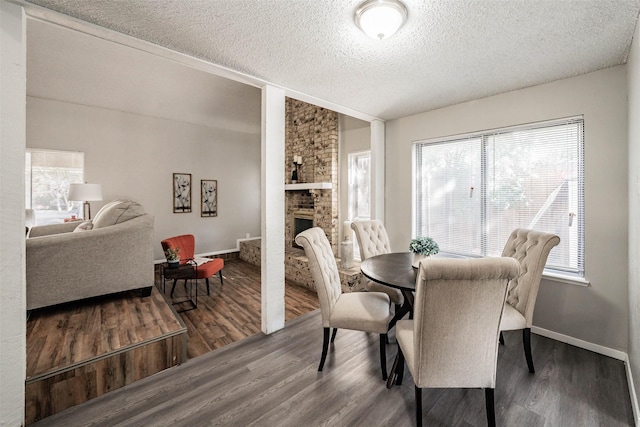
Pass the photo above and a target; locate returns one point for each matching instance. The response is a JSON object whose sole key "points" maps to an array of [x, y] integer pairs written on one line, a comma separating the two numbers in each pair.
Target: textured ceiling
{"points": [[449, 51]]}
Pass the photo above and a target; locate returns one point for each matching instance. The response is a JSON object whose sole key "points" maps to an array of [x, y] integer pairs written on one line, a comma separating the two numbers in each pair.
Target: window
{"points": [[471, 191], [48, 174], [359, 177]]}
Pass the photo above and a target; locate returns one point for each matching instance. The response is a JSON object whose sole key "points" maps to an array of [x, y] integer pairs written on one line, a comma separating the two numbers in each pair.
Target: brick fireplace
{"points": [[311, 132], [303, 219]]}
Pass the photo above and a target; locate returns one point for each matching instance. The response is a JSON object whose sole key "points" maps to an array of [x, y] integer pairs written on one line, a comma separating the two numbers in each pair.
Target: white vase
{"points": [[346, 255], [417, 258]]}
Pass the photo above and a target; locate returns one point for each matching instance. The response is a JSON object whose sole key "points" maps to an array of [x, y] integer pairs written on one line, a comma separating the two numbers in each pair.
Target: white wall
{"points": [[633, 79], [12, 248], [596, 314], [134, 156]]}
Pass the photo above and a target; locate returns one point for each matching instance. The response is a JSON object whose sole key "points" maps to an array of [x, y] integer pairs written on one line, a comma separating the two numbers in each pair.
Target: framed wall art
{"points": [[181, 192], [209, 196]]}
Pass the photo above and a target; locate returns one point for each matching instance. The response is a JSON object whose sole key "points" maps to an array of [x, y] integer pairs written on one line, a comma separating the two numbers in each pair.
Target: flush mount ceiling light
{"points": [[380, 19]]}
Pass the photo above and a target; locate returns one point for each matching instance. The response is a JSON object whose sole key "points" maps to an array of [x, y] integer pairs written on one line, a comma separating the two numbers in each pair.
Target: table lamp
{"points": [[85, 193]]}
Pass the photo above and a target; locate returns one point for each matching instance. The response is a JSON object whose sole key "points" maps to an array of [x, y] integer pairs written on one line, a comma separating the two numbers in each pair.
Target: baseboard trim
{"points": [[227, 251], [632, 391], [605, 351], [221, 252]]}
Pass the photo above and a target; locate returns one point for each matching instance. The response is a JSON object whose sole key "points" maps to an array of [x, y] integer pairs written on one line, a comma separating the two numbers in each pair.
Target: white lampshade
{"points": [[380, 19], [85, 192]]}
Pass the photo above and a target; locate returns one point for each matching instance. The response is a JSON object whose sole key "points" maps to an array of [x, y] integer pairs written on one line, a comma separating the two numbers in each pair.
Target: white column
{"points": [[272, 208], [12, 249], [377, 169]]}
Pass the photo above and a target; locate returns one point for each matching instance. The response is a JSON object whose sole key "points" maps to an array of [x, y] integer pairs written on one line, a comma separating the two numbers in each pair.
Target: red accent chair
{"points": [[186, 243]]}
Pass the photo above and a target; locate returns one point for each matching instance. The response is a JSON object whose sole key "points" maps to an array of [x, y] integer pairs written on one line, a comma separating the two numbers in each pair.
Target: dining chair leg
{"points": [[383, 355], [418, 406], [397, 370], [400, 367], [491, 409], [325, 348], [501, 338], [207, 281], [526, 342], [333, 336], [221, 280], [394, 370]]}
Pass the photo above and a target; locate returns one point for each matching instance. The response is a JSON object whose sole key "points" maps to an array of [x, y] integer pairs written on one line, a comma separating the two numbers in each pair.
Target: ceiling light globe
{"points": [[380, 19]]}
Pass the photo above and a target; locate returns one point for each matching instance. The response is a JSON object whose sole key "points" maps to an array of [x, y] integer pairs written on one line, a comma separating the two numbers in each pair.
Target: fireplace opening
{"points": [[302, 220]]}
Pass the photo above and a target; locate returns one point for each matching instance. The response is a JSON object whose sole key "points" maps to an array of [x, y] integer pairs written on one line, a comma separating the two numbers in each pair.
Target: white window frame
{"points": [[47, 216], [577, 277], [352, 187]]}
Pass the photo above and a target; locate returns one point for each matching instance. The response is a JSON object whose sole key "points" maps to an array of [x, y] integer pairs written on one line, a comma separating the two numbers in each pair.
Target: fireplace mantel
{"points": [[308, 186]]}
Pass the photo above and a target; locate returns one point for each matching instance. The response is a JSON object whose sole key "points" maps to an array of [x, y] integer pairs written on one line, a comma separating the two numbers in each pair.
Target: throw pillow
{"points": [[116, 212], [84, 226]]}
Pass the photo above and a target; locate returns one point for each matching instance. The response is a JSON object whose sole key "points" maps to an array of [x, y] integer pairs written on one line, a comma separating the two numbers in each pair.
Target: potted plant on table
{"points": [[422, 247], [173, 257]]}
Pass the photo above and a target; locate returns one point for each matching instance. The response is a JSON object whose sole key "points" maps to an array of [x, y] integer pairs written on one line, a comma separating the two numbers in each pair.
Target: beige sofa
{"points": [[78, 260]]}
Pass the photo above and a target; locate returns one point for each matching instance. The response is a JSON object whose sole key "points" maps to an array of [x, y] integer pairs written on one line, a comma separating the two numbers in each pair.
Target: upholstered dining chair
{"points": [[362, 311], [531, 249], [186, 243], [373, 240], [452, 341]]}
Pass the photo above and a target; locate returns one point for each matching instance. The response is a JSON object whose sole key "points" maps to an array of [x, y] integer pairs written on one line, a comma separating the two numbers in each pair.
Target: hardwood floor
{"points": [[232, 311], [97, 326], [78, 351], [273, 380]]}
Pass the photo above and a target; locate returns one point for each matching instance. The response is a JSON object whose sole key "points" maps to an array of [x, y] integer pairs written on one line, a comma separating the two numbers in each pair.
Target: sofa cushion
{"points": [[117, 212], [84, 226]]}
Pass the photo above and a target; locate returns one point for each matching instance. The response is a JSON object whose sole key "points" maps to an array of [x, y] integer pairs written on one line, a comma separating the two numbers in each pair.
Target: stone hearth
{"points": [[296, 266]]}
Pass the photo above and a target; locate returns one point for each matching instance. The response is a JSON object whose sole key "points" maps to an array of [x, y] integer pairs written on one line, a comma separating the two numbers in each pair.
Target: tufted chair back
{"points": [[372, 238], [185, 242], [531, 249], [324, 269], [459, 347]]}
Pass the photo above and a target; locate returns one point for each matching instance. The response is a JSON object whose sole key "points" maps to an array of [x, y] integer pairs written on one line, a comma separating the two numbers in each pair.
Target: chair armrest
{"points": [[49, 229]]}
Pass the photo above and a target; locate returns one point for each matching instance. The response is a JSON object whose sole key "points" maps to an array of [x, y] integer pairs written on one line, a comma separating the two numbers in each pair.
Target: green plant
{"points": [[172, 254], [424, 246]]}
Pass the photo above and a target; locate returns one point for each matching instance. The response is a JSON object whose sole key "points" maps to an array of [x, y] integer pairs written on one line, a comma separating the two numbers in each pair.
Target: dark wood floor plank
{"points": [[75, 353]]}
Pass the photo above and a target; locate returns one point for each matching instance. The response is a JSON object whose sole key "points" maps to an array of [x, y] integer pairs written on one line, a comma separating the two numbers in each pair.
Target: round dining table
{"points": [[395, 270], [392, 269]]}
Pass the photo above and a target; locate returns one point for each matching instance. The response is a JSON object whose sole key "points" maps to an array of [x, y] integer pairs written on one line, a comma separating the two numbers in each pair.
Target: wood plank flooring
{"points": [[273, 381], [78, 351], [232, 311], [65, 335]]}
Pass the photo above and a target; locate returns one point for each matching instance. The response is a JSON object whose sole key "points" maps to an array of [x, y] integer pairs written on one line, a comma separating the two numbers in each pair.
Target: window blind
{"points": [[471, 191]]}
